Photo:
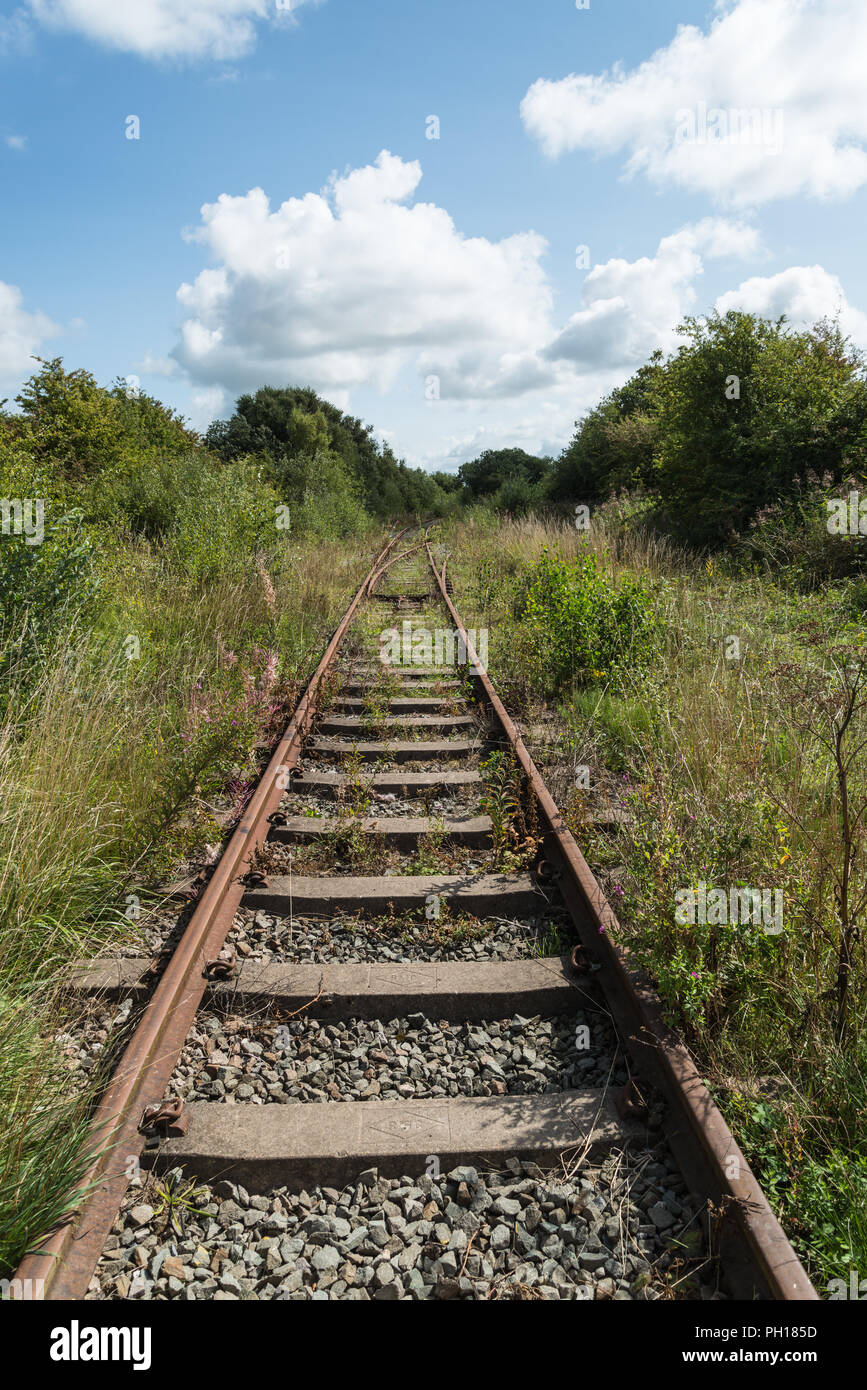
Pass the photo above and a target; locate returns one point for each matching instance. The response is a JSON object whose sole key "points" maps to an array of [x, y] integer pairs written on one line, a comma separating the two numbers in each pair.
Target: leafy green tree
{"points": [[323, 497], [151, 428], [748, 411], [76, 425], [281, 422], [449, 483], [613, 446], [484, 476], [77, 430], [514, 495]]}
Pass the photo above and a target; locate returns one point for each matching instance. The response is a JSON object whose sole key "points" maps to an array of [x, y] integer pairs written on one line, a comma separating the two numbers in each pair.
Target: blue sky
{"points": [[437, 294]]}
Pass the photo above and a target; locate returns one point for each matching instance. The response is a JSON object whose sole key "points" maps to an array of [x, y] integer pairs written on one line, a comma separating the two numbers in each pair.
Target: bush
{"points": [[514, 495], [747, 411], [289, 424], [206, 511], [586, 626], [46, 588], [228, 512], [78, 430], [613, 446], [147, 496], [499, 474], [792, 538], [323, 497]]}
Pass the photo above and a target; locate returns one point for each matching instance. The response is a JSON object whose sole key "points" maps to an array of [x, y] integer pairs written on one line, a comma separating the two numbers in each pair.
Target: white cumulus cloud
{"points": [[368, 294], [804, 293], [345, 288], [22, 335], [632, 307], [165, 29], [767, 103], [156, 366]]}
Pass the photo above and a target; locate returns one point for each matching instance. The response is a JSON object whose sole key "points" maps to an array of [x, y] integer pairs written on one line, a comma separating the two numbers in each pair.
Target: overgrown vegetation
{"points": [[323, 459], [515, 830], [151, 640], [692, 659], [582, 625], [737, 442], [731, 748]]}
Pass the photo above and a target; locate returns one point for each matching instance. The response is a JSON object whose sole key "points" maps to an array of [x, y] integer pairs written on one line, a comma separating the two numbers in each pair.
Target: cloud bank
{"points": [[768, 103]]}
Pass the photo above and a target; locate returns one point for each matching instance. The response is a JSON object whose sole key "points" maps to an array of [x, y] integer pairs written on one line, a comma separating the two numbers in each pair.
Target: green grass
{"points": [[44, 1157], [623, 722], [116, 771], [721, 769]]}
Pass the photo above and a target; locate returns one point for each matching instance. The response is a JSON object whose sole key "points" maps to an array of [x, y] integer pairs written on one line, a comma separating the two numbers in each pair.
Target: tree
{"points": [[747, 411], [76, 425], [79, 430], [613, 446], [485, 475], [449, 483], [282, 422]]}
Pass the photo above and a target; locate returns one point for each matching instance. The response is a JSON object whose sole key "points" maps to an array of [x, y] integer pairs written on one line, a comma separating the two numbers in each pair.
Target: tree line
{"points": [[743, 426], [732, 436]]}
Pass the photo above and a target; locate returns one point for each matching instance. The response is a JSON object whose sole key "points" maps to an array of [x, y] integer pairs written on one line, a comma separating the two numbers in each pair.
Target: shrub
{"points": [[323, 497], [514, 495], [205, 511], [792, 538], [613, 445], [496, 470], [229, 511], [46, 588], [79, 430], [747, 410], [289, 423], [586, 625]]}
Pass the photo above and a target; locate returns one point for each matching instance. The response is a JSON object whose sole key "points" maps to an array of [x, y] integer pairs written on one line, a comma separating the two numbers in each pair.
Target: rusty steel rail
{"points": [[61, 1266], [756, 1254], [374, 578]]}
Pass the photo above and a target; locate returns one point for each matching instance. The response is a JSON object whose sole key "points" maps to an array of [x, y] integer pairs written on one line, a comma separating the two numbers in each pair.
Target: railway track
{"points": [[397, 1052]]}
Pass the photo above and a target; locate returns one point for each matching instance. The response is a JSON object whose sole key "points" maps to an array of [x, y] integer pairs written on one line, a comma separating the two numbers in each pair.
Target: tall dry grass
{"points": [[110, 771], [716, 759]]}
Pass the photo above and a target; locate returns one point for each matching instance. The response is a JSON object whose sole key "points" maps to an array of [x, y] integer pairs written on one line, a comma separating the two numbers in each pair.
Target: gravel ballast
{"points": [[619, 1229], [261, 936], [232, 1060], [612, 1233], [384, 805], [87, 1040]]}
